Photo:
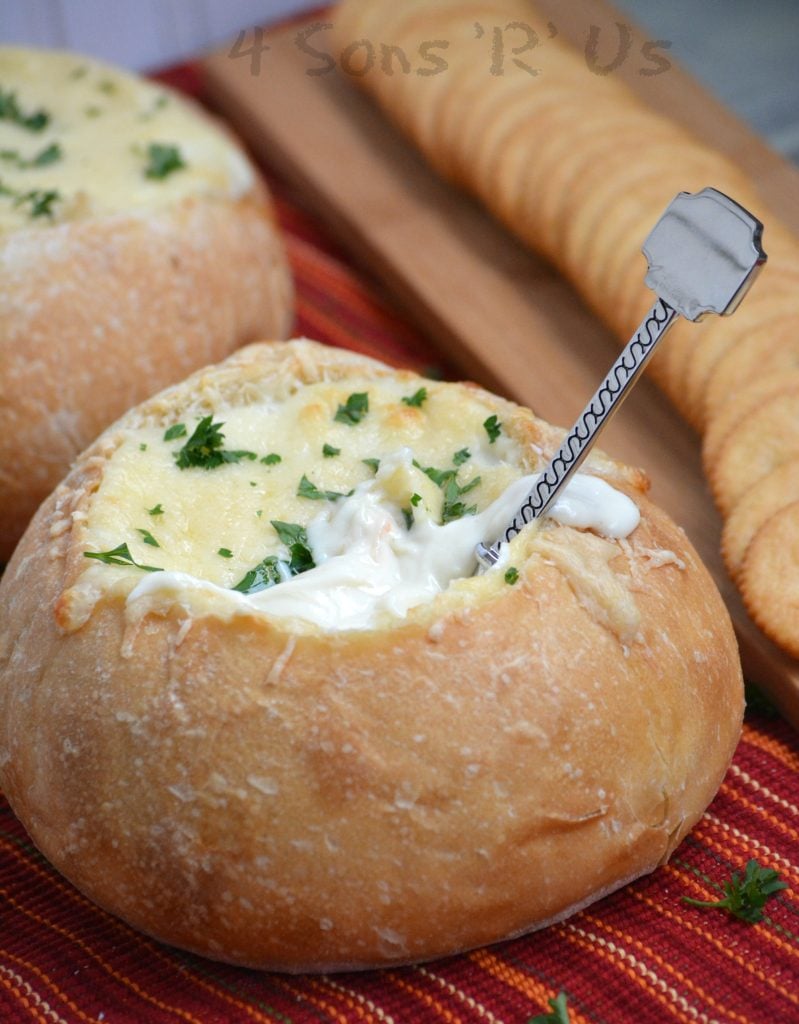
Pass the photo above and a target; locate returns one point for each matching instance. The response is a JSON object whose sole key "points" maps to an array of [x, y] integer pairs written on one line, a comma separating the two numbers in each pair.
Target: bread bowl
{"points": [[136, 245], [316, 777]]}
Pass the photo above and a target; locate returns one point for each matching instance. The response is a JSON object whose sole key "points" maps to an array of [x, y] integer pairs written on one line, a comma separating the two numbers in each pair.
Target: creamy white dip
{"points": [[368, 563]]}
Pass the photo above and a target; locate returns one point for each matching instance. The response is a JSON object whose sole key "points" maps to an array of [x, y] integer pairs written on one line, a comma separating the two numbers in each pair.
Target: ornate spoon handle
{"points": [[702, 257], [592, 420]]}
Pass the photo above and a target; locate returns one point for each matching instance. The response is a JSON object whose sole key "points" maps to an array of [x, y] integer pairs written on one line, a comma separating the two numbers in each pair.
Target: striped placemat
{"points": [[641, 956]]}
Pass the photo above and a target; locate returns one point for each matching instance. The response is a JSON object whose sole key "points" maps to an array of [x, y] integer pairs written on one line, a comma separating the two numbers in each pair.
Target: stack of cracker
{"points": [[580, 169]]}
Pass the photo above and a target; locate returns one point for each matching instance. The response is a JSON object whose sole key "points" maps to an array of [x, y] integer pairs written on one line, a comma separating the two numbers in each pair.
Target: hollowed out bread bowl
{"points": [[329, 780], [136, 245]]}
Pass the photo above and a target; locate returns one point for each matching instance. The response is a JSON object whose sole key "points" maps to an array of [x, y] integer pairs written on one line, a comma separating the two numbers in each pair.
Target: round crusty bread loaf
{"points": [[269, 791], [136, 244]]}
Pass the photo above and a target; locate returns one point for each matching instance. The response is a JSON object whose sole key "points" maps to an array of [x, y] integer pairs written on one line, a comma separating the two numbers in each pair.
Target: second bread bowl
{"points": [[137, 243]]}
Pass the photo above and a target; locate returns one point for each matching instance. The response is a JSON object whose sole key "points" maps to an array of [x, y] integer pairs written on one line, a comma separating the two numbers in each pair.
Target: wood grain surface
{"points": [[498, 311]]}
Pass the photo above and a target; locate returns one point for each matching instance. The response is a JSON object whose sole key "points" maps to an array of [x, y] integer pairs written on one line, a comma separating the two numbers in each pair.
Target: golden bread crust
{"points": [[317, 801], [96, 315]]}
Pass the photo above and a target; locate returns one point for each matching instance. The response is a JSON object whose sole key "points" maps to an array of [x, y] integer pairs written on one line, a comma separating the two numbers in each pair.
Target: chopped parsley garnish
{"points": [[148, 538], [273, 570], [120, 556], [265, 574], [512, 575], [204, 448], [460, 457], [46, 156], [107, 86], [290, 533], [438, 476], [296, 540], [330, 452], [272, 459], [408, 512], [493, 428], [162, 160], [745, 896], [10, 110], [354, 409], [49, 155], [447, 480], [225, 553], [143, 447], [307, 489], [373, 464], [40, 200], [204, 444], [156, 510], [417, 399], [79, 72], [176, 430], [453, 507], [559, 1012]]}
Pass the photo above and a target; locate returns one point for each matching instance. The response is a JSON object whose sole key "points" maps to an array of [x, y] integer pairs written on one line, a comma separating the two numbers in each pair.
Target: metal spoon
{"points": [[703, 256]]}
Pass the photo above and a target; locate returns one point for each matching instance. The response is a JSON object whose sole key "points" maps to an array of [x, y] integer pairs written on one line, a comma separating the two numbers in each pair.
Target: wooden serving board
{"points": [[496, 310]]}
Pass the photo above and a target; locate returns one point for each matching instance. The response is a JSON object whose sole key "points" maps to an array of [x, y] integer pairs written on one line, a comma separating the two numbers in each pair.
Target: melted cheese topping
{"points": [[370, 566], [379, 551], [102, 122]]}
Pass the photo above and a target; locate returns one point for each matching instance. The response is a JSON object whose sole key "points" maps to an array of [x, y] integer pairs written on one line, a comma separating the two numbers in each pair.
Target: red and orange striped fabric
{"points": [[641, 956]]}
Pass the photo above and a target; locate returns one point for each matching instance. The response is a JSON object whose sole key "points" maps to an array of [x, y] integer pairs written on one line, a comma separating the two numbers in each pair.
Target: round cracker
{"points": [[621, 282], [769, 578], [414, 98], [738, 406], [516, 92], [555, 189], [427, 99], [370, 25], [530, 161], [606, 150], [427, 104], [784, 273], [720, 335], [600, 189], [535, 121], [771, 347], [768, 437], [517, 176], [450, 119], [780, 241], [650, 196], [776, 490]]}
